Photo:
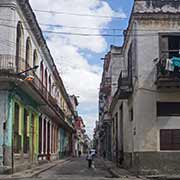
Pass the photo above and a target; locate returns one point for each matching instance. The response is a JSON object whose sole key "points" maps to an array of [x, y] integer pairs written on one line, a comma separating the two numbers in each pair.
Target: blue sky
{"points": [[78, 58], [117, 5]]}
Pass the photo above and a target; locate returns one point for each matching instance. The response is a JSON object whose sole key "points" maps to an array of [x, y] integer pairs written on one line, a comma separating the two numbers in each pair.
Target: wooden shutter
{"points": [[170, 139]]}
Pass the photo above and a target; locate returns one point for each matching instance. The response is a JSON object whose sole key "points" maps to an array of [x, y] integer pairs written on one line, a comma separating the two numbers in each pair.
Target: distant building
{"points": [[79, 133], [107, 90]]}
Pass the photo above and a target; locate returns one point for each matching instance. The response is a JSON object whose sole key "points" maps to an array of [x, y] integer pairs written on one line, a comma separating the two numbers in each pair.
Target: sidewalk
{"points": [[35, 171], [124, 174], [119, 172]]}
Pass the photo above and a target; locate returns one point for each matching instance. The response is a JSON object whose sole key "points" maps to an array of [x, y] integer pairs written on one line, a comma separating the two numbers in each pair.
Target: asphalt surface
{"points": [[77, 169]]}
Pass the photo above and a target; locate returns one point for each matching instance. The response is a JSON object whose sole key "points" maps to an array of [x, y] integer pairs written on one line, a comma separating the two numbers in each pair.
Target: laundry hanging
{"points": [[176, 61], [169, 65]]}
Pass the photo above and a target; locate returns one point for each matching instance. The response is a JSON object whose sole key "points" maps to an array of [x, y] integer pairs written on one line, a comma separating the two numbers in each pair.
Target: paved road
{"points": [[77, 169]]}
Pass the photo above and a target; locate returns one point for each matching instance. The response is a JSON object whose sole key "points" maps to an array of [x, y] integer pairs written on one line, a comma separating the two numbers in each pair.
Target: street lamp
{"points": [[27, 70]]}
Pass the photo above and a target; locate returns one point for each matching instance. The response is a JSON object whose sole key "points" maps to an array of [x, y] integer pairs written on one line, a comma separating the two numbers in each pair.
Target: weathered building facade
{"points": [[79, 134], [107, 90], [35, 112], [145, 108]]}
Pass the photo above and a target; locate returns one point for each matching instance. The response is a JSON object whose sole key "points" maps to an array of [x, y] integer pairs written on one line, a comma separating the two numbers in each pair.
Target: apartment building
{"points": [[145, 112], [35, 107]]}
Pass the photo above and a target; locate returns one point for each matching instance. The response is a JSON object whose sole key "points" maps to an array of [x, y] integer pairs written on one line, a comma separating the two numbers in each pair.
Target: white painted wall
{"points": [[145, 94]]}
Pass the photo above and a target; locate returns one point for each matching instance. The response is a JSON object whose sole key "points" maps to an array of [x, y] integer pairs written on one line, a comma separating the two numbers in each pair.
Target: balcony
{"points": [[7, 64], [166, 78], [42, 90], [8, 69], [106, 86], [124, 86]]}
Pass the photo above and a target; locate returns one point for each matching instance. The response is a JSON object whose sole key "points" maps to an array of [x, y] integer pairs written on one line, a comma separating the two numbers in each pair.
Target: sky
{"points": [[78, 57]]}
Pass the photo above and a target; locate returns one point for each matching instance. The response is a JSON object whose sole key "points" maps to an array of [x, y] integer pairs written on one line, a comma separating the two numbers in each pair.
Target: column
{"points": [[42, 144], [50, 138], [46, 135]]}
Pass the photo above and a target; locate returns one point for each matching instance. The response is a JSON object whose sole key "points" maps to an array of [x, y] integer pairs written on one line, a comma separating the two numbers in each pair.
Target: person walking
{"points": [[79, 153], [89, 158]]}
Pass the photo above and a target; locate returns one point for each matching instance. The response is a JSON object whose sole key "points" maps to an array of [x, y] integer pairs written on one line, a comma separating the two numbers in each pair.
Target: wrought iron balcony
{"points": [[106, 86], [124, 86], [9, 67], [42, 89], [7, 64], [167, 79]]}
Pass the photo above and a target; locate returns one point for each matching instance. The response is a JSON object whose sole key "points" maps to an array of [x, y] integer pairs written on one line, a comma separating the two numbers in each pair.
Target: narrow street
{"points": [[77, 169]]}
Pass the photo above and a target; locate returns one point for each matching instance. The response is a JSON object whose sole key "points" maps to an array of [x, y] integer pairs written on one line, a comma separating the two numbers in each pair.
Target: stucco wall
{"points": [[145, 93], [3, 118]]}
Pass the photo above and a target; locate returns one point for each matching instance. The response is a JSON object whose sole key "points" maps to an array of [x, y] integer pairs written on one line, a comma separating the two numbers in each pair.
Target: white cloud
{"points": [[79, 77]]}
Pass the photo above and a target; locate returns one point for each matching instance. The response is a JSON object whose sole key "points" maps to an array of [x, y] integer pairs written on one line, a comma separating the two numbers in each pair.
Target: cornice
{"points": [[10, 3]]}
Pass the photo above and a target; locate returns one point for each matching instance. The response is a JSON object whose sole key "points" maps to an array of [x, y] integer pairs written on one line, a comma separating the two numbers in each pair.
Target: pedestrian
{"points": [[79, 153], [104, 154], [89, 158]]}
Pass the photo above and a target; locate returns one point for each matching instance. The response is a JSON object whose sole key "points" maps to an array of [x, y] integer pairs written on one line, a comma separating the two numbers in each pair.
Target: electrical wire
{"points": [[87, 34], [78, 14], [83, 27]]}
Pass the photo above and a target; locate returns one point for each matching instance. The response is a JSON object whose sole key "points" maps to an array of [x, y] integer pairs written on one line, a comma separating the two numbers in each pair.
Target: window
{"points": [[42, 74], [28, 53], [19, 46], [168, 109], [130, 63], [35, 59], [50, 84], [46, 79], [170, 139], [170, 46], [26, 132], [17, 137], [131, 114]]}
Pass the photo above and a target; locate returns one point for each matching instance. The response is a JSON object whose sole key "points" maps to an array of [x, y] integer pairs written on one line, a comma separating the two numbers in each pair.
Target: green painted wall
{"points": [[24, 102]]}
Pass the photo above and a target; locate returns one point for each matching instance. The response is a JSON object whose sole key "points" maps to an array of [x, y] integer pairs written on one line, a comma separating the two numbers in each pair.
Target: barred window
{"points": [[170, 139]]}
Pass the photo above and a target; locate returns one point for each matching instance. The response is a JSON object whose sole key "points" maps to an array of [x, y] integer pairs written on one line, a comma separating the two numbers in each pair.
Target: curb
{"points": [[36, 173], [113, 173], [47, 168], [163, 177]]}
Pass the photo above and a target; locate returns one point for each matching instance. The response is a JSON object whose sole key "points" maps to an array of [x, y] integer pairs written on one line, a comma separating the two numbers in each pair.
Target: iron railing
{"points": [[125, 85], [163, 73], [7, 63], [8, 66], [42, 89]]}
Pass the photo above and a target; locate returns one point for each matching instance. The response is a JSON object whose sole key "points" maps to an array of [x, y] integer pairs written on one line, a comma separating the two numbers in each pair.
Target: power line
{"points": [[77, 14], [86, 34], [88, 28]]}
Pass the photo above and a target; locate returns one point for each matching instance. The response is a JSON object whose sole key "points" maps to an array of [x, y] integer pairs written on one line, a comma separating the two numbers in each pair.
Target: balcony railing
{"points": [[42, 89], [167, 78], [8, 66], [106, 86], [124, 86]]}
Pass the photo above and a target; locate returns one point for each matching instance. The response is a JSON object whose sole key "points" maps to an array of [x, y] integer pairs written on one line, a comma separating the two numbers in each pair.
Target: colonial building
{"points": [[107, 90], [74, 102], [36, 113], [145, 108], [79, 134]]}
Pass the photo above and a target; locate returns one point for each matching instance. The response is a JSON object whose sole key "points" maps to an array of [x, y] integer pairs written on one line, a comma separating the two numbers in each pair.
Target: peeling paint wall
{"points": [[3, 121]]}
